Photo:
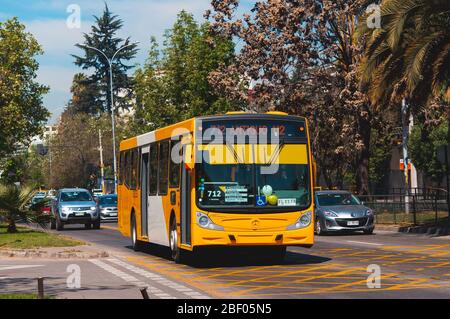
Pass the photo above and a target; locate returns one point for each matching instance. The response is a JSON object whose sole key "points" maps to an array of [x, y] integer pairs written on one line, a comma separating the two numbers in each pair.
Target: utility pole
{"points": [[405, 125], [110, 61], [102, 173]]}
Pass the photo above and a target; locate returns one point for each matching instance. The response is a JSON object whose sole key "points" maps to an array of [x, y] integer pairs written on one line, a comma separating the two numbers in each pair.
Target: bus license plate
{"points": [[353, 223]]}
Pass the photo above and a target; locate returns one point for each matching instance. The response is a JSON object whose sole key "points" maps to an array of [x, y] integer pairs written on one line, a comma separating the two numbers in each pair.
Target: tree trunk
{"points": [[11, 226], [362, 162]]}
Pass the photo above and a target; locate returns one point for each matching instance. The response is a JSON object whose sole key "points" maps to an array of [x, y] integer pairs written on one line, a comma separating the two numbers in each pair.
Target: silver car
{"points": [[74, 206], [341, 211], [107, 207]]}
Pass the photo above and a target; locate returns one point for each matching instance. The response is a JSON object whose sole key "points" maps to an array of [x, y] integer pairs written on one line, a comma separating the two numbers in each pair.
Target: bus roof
{"points": [[150, 137]]}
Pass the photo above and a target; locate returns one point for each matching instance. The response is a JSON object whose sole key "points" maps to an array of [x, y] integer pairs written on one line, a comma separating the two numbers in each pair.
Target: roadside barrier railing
{"points": [[415, 209]]}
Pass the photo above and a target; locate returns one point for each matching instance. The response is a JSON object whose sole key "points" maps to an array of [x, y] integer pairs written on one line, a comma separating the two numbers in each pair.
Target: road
{"points": [[411, 266]]}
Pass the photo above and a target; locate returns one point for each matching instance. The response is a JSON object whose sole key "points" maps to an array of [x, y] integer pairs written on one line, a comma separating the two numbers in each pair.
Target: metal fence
{"points": [[424, 206]]}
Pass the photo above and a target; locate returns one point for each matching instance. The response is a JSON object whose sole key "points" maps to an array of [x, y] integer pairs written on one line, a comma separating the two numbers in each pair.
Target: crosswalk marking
{"points": [[6, 267], [131, 279], [159, 279]]}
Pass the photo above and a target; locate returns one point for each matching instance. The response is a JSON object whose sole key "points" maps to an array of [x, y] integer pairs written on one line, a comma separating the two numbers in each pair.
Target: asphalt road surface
{"points": [[337, 266]]}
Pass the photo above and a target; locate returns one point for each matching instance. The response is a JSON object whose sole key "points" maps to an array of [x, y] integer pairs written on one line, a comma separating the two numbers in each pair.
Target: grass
{"points": [[20, 296], [27, 238]]}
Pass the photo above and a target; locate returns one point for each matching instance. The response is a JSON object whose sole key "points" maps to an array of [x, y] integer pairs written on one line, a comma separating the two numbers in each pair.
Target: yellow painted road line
{"points": [[271, 277], [110, 227], [443, 265], [411, 284], [334, 289]]}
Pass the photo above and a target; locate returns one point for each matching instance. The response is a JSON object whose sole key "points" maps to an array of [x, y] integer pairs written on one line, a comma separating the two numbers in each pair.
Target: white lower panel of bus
{"points": [[157, 230]]}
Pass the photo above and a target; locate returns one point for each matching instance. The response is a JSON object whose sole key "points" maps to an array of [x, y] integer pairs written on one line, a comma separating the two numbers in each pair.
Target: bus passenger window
{"points": [[163, 167], [153, 171], [174, 167]]}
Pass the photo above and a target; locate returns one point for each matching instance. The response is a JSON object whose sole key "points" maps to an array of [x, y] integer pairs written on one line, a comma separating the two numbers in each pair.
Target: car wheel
{"points": [[59, 225], [87, 226], [96, 225], [318, 227], [173, 241], [368, 231], [52, 224]]}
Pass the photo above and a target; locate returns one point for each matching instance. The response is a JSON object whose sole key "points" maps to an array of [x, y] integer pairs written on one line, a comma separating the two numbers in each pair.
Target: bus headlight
{"points": [[205, 222], [302, 222]]}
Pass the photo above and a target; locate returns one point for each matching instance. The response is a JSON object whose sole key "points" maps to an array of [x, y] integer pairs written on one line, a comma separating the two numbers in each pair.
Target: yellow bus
{"points": [[237, 179]]}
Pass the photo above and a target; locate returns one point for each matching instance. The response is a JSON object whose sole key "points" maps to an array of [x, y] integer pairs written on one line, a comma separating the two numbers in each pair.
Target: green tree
{"points": [[13, 201], [409, 56], [75, 149], [22, 113], [173, 84], [103, 37], [84, 96], [424, 143]]}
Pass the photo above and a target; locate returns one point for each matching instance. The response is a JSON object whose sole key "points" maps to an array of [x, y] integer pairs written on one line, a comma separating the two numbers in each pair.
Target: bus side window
{"points": [[121, 167], [153, 171], [163, 167], [134, 169], [174, 171], [127, 168]]}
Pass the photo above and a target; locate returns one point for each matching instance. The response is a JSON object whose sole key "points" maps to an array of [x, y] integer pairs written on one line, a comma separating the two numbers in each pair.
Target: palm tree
{"points": [[13, 206], [409, 56]]}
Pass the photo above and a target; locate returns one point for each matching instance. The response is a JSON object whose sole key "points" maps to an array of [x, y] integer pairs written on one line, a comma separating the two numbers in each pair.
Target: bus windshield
{"points": [[247, 185]]}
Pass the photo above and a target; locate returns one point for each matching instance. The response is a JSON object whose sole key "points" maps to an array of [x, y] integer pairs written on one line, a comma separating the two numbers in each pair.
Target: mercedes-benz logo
{"points": [[255, 223]]}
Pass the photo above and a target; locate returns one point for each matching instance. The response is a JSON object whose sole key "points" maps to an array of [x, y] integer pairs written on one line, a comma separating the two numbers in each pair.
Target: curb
{"points": [[430, 231], [30, 253]]}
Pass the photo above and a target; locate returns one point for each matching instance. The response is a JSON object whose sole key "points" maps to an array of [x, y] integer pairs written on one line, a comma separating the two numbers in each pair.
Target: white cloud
{"points": [[141, 18]]}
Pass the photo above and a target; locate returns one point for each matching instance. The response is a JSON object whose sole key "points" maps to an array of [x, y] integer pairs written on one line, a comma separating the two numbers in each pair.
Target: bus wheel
{"points": [[173, 238], [135, 243]]}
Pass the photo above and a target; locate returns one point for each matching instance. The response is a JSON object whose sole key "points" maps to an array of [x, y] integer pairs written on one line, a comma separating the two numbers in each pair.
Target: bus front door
{"points": [[144, 194], [185, 213]]}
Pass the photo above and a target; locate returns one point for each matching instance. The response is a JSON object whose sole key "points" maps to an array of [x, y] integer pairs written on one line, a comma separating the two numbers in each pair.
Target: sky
{"points": [[48, 21]]}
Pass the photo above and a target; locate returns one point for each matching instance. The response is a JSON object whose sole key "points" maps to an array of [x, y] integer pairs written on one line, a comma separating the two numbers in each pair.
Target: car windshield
{"points": [[337, 199], [36, 200], [108, 200], [232, 185], [76, 196]]}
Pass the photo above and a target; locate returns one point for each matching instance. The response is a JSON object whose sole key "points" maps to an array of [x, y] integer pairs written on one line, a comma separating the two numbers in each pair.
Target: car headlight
{"points": [[205, 222], [302, 222], [369, 212], [330, 214], [93, 208], [66, 210]]}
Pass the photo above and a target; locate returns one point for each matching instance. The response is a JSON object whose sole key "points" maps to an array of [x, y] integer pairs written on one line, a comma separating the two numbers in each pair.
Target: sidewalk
{"points": [[442, 230]]}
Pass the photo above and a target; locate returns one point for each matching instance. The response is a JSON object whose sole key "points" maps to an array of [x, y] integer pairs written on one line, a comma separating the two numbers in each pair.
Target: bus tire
{"points": [[176, 252], [135, 243]]}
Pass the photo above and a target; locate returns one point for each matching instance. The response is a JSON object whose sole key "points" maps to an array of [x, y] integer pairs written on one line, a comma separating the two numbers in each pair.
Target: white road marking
{"points": [[19, 267], [364, 243], [159, 279], [131, 279]]}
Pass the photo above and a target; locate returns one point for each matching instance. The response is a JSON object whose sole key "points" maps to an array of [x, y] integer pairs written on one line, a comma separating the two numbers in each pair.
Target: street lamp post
{"points": [[113, 121]]}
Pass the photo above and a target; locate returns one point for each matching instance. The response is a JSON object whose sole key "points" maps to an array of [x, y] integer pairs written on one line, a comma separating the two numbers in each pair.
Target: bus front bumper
{"points": [[302, 237]]}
